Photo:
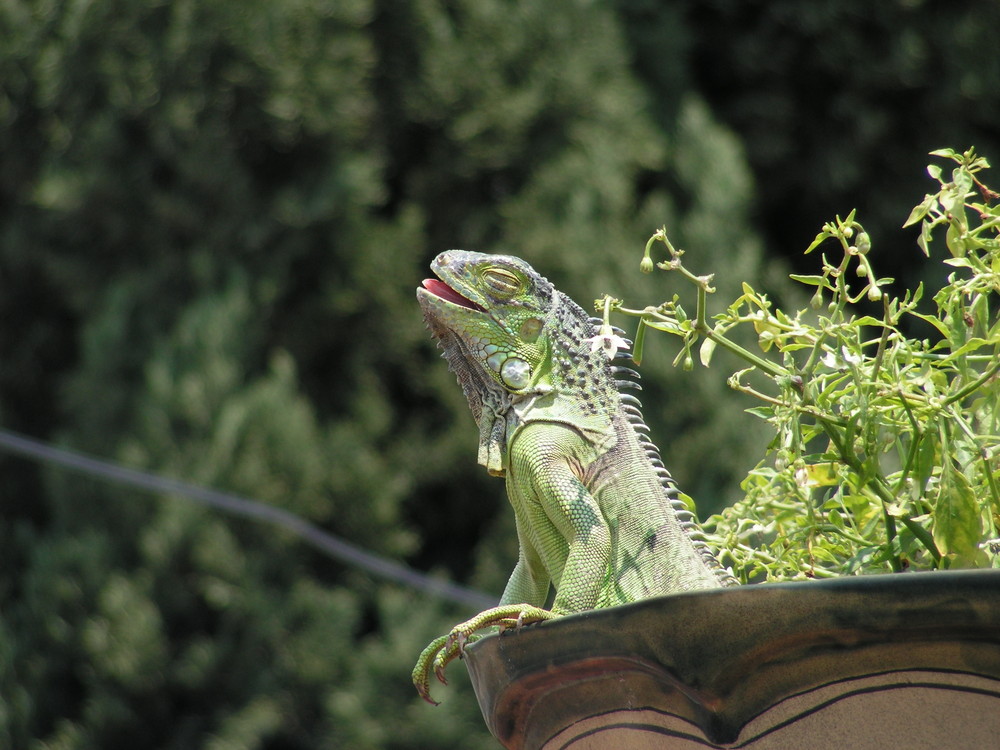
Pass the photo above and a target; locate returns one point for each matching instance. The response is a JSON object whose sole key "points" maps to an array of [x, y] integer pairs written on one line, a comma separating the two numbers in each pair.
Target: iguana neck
{"points": [[578, 370]]}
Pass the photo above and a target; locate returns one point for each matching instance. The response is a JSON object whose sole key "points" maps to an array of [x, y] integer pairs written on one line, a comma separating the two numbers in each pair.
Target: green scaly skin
{"points": [[597, 515]]}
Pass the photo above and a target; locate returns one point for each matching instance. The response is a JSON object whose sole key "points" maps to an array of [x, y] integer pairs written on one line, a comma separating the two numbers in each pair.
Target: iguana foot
{"points": [[441, 651]]}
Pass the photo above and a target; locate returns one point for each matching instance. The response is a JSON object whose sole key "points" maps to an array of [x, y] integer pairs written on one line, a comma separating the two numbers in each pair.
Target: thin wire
{"points": [[331, 545]]}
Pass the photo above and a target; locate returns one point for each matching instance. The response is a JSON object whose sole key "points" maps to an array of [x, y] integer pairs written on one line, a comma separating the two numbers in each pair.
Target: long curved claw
{"points": [[451, 651], [421, 675], [445, 649]]}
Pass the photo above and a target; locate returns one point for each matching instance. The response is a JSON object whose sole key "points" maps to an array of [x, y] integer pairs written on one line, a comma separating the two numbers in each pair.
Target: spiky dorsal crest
{"points": [[627, 378]]}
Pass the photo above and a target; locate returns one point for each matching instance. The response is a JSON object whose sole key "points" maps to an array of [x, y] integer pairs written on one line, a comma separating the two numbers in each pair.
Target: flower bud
{"points": [[874, 293], [862, 270], [646, 264], [864, 243]]}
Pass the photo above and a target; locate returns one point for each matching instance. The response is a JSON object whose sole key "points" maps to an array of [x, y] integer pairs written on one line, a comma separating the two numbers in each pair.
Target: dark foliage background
{"points": [[213, 216]]}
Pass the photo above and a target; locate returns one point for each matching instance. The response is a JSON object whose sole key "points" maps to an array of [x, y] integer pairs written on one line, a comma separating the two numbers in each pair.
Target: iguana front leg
{"points": [[561, 532], [441, 651], [548, 485], [521, 603]]}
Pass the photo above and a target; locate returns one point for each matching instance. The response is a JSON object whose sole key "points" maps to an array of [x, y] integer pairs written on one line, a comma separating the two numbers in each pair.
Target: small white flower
{"points": [[607, 341], [840, 361]]}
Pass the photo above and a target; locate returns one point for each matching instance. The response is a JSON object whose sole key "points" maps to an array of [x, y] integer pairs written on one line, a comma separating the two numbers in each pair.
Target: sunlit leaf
{"points": [[820, 238], [920, 210], [957, 526], [810, 280], [822, 475]]}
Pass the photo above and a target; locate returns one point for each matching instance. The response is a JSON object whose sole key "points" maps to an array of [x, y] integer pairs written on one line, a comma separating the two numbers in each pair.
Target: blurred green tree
{"points": [[837, 101]]}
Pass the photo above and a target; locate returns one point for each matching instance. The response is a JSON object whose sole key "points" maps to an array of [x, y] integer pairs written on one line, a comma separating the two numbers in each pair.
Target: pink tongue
{"points": [[442, 290]]}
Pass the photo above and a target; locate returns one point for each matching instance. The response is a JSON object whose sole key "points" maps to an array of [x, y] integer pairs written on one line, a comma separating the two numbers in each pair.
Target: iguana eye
{"points": [[502, 283]]}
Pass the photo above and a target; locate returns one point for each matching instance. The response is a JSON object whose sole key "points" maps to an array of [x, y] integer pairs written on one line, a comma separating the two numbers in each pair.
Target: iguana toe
{"points": [[422, 670], [445, 649]]}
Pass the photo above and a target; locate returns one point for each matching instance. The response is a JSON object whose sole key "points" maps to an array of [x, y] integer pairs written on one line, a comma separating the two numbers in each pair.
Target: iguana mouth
{"points": [[445, 292]]}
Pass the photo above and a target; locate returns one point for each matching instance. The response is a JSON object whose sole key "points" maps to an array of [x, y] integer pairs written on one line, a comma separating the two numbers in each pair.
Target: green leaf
{"points": [[932, 320], [861, 560], [925, 238], [835, 518], [963, 181], [640, 339], [668, 326], [810, 280], [688, 501], [817, 242], [968, 347], [957, 527], [920, 210], [955, 241], [822, 475]]}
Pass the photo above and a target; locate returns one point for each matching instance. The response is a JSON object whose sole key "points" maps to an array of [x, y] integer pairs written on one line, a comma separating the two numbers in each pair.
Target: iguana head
{"points": [[516, 345], [492, 309], [489, 313]]}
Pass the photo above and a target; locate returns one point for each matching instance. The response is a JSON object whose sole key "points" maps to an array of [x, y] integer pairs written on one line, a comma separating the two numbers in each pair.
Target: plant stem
{"points": [[770, 368], [973, 386]]}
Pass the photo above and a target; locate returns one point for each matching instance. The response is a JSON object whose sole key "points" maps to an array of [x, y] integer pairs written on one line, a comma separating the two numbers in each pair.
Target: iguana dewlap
{"points": [[597, 515]]}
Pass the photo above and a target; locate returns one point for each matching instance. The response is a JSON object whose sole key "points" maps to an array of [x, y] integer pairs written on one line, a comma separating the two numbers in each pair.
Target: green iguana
{"points": [[598, 517]]}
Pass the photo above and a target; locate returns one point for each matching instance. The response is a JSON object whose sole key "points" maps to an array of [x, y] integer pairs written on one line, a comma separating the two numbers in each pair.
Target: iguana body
{"points": [[597, 515]]}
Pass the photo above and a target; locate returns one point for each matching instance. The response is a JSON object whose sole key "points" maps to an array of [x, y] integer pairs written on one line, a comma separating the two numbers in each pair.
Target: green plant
{"points": [[886, 452]]}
